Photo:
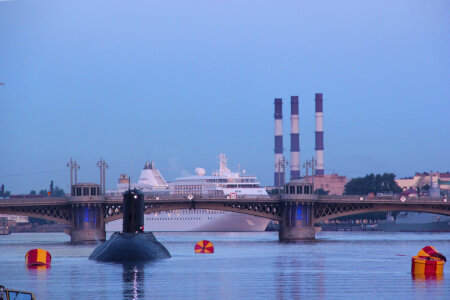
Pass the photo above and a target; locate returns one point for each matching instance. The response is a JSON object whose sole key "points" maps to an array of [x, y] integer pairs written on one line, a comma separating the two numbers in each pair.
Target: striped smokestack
{"points": [[319, 134], [279, 167], [295, 140]]}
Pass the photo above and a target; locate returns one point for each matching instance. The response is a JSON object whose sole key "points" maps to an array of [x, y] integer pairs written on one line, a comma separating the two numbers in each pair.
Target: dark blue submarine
{"points": [[133, 244]]}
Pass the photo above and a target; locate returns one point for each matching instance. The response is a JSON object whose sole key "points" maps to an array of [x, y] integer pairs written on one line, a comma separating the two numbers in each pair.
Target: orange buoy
{"points": [[428, 262], [204, 247], [38, 258]]}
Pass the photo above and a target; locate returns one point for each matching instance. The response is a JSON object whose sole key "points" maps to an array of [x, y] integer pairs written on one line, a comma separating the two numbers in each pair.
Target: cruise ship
{"points": [[150, 183], [221, 183]]}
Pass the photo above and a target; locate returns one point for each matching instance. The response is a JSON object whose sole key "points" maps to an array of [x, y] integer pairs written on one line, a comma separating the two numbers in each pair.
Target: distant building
{"points": [[422, 179], [14, 218], [333, 183]]}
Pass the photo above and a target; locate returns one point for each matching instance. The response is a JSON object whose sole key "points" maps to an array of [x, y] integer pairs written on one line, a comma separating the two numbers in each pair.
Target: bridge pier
{"points": [[87, 213], [297, 223], [88, 223]]}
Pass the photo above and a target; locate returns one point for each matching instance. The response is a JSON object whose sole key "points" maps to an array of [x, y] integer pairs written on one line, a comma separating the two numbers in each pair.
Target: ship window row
{"points": [[242, 180], [188, 187], [175, 219], [239, 180], [242, 186], [195, 211], [216, 180], [185, 193], [215, 193], [248, 180]]}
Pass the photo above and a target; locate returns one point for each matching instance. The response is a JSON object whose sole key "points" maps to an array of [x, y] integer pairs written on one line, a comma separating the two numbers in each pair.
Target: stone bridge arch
{"points": [[265, 210], [328, 211]]}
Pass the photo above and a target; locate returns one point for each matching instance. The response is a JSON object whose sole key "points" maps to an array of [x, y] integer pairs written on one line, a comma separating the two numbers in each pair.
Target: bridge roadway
{"points": [[297, 214], [38, 201]]}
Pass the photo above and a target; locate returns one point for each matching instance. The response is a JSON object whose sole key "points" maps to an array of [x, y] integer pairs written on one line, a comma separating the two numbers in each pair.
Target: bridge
{"points": [[87, 212]]}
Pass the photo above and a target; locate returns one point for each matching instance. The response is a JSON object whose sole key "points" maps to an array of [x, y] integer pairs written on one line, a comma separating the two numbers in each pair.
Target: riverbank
{"points": [[39, 228]]}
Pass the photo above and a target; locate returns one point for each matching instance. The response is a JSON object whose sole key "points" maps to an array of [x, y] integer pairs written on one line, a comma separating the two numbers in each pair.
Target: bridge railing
{"points": [[221, 198], [32, 201], [182, 198], [380, 199]]}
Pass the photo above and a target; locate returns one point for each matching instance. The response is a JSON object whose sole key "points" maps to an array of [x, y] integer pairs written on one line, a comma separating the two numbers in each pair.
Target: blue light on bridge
{"points": [[299, 212], [86, 214]]}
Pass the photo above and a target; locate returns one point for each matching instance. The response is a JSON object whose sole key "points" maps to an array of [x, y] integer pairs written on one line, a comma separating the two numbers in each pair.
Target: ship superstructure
{"points": [[222, 183], [150, 182]]}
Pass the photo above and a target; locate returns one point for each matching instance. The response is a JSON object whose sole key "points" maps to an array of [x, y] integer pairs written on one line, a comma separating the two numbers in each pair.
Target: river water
{"points": [[349, 265]]}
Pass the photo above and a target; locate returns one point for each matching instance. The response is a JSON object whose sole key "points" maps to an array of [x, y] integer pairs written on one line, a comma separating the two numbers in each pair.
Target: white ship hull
{"points": [[197, 220]]}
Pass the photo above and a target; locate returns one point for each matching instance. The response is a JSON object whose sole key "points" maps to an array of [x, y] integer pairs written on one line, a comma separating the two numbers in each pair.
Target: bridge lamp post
{"points": [[76, 167], [310, 164], [281, 165], [313, 167], [105, 166], [102, 166], [70, 165]]}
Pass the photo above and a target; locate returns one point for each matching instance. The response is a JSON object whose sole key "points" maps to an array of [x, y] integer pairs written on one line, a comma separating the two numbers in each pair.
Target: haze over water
{"points": [[344, 265]]}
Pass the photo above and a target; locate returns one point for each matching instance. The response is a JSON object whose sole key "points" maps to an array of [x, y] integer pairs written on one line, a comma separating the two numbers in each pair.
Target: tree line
{"points": [[53, 191], [372, 183]]}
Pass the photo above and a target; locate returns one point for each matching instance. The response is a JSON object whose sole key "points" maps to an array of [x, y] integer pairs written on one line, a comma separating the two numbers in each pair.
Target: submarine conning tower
{"points": [[133, 211], [133, 244]]}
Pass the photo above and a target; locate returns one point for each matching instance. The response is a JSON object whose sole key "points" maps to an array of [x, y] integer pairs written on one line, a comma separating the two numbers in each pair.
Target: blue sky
{"points": [[179, 82]]}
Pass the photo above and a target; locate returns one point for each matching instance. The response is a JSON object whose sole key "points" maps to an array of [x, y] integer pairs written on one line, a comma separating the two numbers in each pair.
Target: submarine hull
{"points": [[130, 247]]}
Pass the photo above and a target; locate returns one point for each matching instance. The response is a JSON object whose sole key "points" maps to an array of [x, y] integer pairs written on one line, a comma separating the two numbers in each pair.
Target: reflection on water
{"points": [[133, 281], [343, 265], [428, 279], [38, 272], [34, 267]]}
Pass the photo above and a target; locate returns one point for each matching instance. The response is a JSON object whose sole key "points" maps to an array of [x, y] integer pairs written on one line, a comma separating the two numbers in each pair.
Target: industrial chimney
{"points": [[279, 161], [295, 140], [319, 134]]}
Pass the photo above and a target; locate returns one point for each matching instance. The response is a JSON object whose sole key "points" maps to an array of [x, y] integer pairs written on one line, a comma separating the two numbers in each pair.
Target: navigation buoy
{"points": [[204, 247], [428, 262], [38, 258]]}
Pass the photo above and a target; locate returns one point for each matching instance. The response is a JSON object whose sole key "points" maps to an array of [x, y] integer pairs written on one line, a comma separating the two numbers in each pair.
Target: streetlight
{"points": [[102, 166], [280, 165]]}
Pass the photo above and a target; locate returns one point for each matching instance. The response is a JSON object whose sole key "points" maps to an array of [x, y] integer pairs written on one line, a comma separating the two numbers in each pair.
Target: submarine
{"points": [[132, 244]]}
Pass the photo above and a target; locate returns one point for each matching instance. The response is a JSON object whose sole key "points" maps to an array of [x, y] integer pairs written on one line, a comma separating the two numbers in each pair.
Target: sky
{"points": [[178, 82]]}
